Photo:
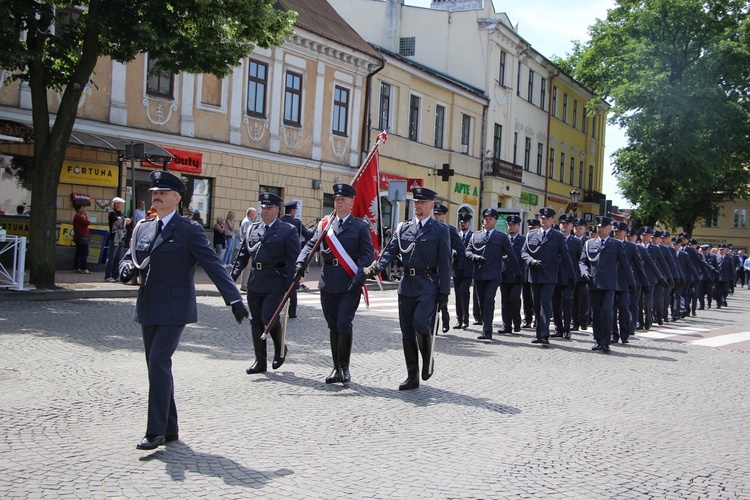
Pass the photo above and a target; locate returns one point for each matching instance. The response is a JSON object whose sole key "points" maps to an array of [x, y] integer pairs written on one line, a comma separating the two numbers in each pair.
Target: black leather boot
{"points": [[278, 356], [259, 346], [345, 352], [335, 375], [411, 355], [425, 346]]}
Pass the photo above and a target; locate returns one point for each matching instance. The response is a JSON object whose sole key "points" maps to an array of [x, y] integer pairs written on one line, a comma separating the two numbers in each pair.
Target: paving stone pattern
{"points": [[505, 419]]}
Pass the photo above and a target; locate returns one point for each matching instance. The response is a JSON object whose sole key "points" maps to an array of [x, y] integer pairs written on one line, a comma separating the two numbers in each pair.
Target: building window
{"points": [[739, 219], [439, 126], [497, 141], [713, 218], [385, 107], [501, 76], [518, 80], [515, 148], [407, 46], [551, 163], [527, 155], [414, 104], [543, 94], [211, 90], [591, 177], [572, 171], [530, 96], [565, 108], [465, 133], [562, 167], [340, 110], [580, 176], [554, 102], [539, 158], [584, 124], [160, 82], [575, 113], [269, 189], [257, 81], [293, 99]]}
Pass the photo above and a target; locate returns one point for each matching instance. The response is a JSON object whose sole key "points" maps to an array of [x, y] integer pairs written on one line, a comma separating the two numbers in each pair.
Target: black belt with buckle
{"points": [[331, 262], [413, 271], [267, 265]]}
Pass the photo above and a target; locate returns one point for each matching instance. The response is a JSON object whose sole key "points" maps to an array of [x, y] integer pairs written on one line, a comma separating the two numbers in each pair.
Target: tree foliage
{"points": [[55, 44], [677, 73]]}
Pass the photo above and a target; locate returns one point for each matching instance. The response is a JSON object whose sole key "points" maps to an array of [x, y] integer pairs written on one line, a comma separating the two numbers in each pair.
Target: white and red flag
{"points": [[367, 202]]}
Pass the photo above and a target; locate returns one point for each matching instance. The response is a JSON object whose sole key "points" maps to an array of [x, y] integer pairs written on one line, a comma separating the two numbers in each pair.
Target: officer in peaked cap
{"points": [[545, 252], [563, 297], [458, 262], [533, 224], [581, 315], [493, 258], [627, 301], [528, 300], [346, 248], [424, 246], [462, 282], [510, 289], [165, 251], [290, 217], [600, 264], [271, 247], [670, 257]]}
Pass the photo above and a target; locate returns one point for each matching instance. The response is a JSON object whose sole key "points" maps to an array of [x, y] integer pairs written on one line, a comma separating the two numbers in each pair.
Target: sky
{"points": [[551, 26]]}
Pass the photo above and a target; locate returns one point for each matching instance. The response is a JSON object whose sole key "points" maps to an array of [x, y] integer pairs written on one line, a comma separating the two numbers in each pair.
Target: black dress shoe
{"points": [[537, 341], [485, 336], [526, 324], [505, 331], [545, 340], [625, 341], [257, 367], [411, 382], [596, 347], [446, 328], [516, 329], [605, 348], [566, 335], [334, 377], [169, 438], [615, 340], [477, 323], [557, 335], [150, 442], [277, 362], [459, 326], [574, 328]]}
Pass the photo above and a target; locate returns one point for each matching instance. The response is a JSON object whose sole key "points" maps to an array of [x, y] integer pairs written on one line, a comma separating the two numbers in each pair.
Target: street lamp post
{"points": [[575, 195]]}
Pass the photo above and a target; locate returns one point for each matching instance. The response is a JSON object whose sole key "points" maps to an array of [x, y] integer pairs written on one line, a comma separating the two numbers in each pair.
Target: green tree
{"points": [[677, 73], [55, 45]]}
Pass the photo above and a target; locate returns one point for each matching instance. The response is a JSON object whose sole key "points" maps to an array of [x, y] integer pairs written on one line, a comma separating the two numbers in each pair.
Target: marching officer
{"points": [[545, 252], [627, 299], [462, 279], [458, 250], [290, 217], [490, 251], [346, 248], [581, 305], [652, 303], [165, 252], [425, 249], [510, 289], [271, 245], [528, 298], [563, 297], [600, 262]]}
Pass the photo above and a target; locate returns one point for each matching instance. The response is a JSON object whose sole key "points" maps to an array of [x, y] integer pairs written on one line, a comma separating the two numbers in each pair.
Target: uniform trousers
{"points": [[634, 308], [676, 301], [486, 291], [476, 307], [602, 306], [648, 305], [621, 326], [528, 304], [542, 293], [461, 288], [262, 306], [339, 309], [581, 305], [562, 307], [510, 305], [160, 343]]}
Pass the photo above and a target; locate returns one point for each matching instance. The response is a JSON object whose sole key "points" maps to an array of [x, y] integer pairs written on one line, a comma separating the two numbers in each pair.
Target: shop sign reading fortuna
{"points": [[88, 174]]}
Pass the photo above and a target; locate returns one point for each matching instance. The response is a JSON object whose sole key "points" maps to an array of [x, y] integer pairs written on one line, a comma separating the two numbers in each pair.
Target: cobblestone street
{"points": [[664, 419]]}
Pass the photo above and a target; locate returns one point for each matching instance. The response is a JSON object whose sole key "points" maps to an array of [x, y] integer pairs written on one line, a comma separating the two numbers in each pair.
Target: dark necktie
{"points": [[544, 236], [419, 226], [339, 224], [159, 227], [265, 229]]}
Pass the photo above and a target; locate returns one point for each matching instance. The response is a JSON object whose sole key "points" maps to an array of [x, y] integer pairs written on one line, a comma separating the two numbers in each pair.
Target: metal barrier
{"points": [[13, 279]]}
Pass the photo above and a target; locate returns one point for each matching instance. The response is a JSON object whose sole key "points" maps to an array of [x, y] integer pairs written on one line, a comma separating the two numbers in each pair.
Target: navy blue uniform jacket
{"points": [[552, 252], [275, 255], [603, 263], [167, 292], [499, 254]]}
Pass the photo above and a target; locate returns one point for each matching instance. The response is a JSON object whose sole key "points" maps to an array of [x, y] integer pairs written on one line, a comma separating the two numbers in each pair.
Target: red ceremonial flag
{"points": [[367, 203]]}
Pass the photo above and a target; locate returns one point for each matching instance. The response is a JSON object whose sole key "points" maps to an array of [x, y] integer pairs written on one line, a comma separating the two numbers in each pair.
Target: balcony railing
{"points": [[593, 196], [495, 167]]}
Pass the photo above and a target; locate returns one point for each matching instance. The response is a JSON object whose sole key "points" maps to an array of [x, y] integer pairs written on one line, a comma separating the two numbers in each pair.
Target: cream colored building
{"points": [[287, 119]]}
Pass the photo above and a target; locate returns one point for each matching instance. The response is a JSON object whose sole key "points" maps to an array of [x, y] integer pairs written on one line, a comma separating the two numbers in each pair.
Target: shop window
{"points": [[196, 201]]}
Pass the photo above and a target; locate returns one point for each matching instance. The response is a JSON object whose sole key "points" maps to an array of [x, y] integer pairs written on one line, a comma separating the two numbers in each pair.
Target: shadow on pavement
{"points": [[180, 458]]}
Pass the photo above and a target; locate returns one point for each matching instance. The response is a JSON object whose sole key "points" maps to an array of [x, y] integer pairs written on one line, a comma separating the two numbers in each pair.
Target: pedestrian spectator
{"points": [[250, 215], [197, 217], [168, 251], [81, 224], [741, 274], [230, 227], [219, 238], [117, 231], [151, 213], [140, 212]]}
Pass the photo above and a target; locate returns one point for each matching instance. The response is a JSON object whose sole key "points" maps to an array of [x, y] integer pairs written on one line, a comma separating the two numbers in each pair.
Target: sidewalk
{"points": [[74, 285]]}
